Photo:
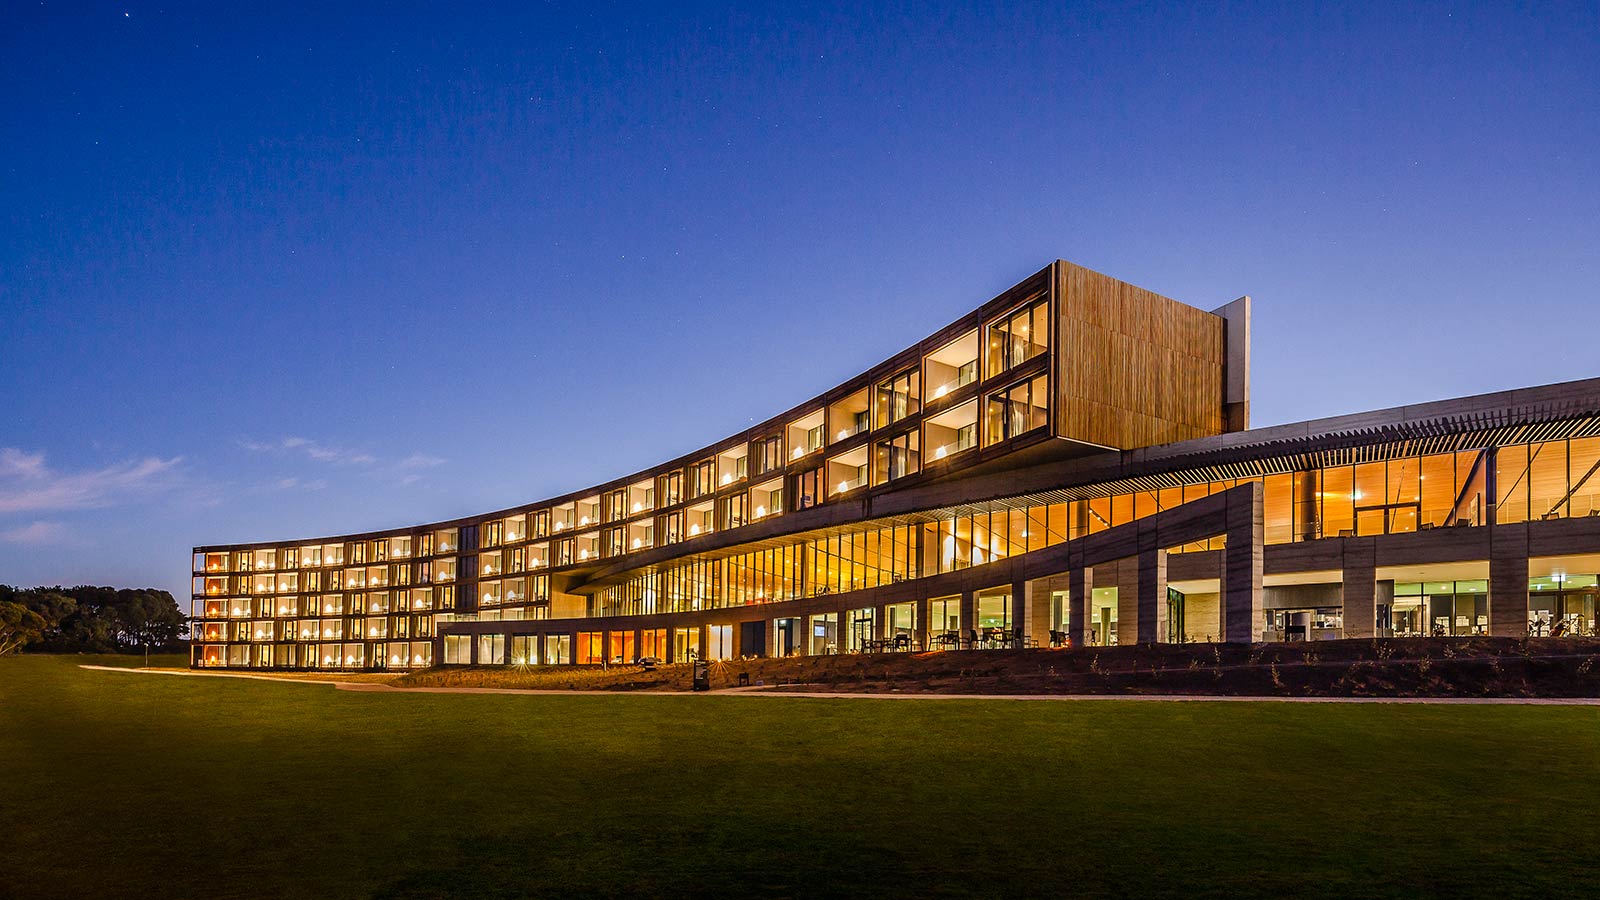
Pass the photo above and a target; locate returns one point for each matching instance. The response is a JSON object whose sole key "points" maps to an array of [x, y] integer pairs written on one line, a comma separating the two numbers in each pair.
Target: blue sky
{"points": [[272, 272]]}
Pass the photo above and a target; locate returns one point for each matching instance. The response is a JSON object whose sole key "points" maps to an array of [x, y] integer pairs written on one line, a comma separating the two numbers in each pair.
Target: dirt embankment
{"points": [[1398, 667]]}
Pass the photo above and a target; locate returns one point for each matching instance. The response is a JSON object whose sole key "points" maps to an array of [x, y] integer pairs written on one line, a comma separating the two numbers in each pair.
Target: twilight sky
{"points": [[269, 272]]}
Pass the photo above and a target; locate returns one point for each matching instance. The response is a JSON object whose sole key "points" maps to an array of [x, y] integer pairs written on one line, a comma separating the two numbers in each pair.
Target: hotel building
{"points": [[1070, 463]]}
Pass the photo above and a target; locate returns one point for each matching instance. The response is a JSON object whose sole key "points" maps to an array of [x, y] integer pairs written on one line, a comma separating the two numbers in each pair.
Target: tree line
{"points": [[89, 619]]}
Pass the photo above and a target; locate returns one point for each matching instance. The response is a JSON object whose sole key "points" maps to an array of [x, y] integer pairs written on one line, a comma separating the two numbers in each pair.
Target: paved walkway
{"points": [[380, 688]]}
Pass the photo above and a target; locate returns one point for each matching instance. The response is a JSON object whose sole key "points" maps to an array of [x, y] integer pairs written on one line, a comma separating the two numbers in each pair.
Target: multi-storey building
{"points": [[1070, 463]]}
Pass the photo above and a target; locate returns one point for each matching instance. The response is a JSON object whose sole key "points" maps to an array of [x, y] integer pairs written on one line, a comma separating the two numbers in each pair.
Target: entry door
{"points": [[753, 638]]}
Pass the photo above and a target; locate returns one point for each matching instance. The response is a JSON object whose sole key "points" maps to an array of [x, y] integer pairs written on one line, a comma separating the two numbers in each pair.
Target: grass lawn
{"points": [[120, 785]]}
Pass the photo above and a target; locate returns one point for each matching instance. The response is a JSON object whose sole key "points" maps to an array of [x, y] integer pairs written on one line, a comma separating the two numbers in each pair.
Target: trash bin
{"points": [[744, 679], [702, 675]]}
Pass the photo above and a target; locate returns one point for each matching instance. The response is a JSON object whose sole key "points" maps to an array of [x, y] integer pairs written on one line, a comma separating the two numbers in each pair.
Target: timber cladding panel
{"points": [[1134, 368]]}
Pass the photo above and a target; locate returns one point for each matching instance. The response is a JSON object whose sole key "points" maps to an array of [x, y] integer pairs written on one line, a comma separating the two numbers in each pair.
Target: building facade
{"points": [[1068, 464]]}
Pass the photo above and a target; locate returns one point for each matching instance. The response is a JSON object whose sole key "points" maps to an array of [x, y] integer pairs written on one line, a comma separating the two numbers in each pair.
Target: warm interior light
{"points": [[694, 530], [638, 506], [637, 543], [727, 478]]}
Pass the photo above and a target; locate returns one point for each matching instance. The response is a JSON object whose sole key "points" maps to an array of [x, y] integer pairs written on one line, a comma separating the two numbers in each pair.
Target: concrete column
{"points": [[922, 630], [1241, 569], [880, 624], [1508, 580], [1127, 582], [1080, 582], [969, 614], [1152, 595], [1037, 625], [1385, 597], [738, 640], [1360, 583]]}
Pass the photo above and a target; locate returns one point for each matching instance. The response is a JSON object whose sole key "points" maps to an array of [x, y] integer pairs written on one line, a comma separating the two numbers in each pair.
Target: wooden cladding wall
{"points": [[1134, 368]]}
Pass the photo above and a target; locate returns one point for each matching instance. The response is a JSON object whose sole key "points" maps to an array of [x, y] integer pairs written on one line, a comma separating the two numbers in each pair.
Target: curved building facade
{"points": [[1068, 464]]}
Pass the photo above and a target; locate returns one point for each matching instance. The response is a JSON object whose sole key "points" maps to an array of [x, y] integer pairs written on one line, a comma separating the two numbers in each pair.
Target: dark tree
{"points": [[18, 625], [90, 619]]}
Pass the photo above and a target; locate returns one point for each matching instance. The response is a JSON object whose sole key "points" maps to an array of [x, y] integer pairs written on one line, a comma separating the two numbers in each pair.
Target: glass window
{"points": [[1017, 410], [1511, 483], [641, 497], [735, 510], [944, 617], [895, 458], [768, 453], [641, 535], [951, 367], [805, 434], [490, 533], [1338, 505], [669, 528], [564, 517], [591, 648], [701, 518], [807, 489], [669, 488], [848, 417], [524, 650], [1018, 337], [719, 642], [1584, 459], [897, 398], [491, 649], [847, 471], [702, 478], [767, 498], [457, 649], [685, 644], [558, 649], [1547, 480], [614, 505], [951, 432], [732, 465], [824, 634], [588, 511]]}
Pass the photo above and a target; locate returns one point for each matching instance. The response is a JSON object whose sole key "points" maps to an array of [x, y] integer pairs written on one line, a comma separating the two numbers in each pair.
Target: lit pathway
{"points": [[372, 687]]}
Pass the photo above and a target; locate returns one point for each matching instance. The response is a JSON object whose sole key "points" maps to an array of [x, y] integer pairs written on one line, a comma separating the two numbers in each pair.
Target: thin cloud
{"points": [[317, 451], [406, 470], [35, 533], [293, 483], [28, 484], [419, 461]]}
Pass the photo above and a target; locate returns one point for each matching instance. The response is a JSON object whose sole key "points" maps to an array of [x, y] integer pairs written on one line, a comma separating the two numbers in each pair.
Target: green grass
{"points": [[122, 785]]}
